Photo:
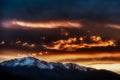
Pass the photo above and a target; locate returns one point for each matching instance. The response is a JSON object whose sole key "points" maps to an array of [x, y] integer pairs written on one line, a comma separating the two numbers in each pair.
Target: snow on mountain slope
{"points": [[33, 62]]}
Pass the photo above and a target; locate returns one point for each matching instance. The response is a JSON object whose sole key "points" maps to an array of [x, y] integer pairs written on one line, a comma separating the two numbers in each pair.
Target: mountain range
{"points": [[29, 68]]}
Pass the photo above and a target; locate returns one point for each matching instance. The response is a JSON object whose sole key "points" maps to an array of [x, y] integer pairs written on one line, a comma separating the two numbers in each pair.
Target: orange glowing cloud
{"points": [[113, 26], [49, 24], [73, 44]]}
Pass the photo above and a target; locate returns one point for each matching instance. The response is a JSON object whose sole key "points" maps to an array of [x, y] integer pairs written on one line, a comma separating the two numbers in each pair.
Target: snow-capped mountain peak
{"points": [[20, 62], [33, 62]]}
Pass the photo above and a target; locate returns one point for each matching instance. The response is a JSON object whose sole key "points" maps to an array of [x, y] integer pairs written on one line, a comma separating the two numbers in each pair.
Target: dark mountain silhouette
{"points": [[29, 68]]}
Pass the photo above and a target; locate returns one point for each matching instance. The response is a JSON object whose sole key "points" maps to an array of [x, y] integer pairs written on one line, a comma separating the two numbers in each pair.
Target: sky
{"points": [[96, 17], [100, 10], [29, 24]]}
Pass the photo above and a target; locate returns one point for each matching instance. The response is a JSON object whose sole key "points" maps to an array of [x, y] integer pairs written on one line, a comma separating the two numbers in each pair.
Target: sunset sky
{"points": [[85, 32]]}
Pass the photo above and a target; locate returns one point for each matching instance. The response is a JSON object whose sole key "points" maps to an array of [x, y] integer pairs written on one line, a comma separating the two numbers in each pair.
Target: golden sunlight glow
{"points": [[94, 60], [49, 24], [72, 44], [110, 66]]}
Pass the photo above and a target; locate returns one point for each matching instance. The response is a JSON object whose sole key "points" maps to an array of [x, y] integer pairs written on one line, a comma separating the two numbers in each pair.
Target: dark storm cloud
{"points": [[61, 9]]}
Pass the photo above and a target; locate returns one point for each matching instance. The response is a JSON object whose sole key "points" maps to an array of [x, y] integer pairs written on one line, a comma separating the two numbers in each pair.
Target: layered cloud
{"points": [[49, 24]]}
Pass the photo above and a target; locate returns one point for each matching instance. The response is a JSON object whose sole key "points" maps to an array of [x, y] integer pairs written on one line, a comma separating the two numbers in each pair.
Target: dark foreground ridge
{"points": [[29, 68]]}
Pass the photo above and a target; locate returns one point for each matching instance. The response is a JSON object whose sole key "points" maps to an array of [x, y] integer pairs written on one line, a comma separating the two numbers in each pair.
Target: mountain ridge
{"points": [[31, 62], [29, 68]]}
